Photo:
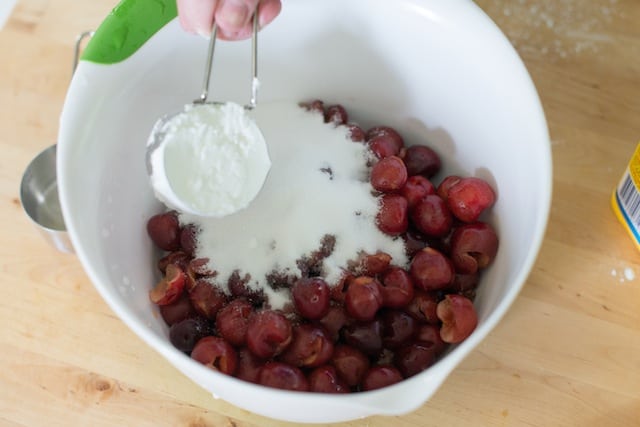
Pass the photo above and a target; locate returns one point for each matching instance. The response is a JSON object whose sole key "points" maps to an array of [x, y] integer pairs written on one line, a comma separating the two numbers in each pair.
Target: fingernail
{"points": [[235, 13], [206, 33]]}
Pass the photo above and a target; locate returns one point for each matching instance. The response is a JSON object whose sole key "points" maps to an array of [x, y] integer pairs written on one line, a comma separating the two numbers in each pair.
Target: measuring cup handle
{"points": [[78, 47], [254, 61]]}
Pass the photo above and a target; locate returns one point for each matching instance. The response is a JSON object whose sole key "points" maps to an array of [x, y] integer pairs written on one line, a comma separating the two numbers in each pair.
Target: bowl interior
{"points": [[441, 72]]}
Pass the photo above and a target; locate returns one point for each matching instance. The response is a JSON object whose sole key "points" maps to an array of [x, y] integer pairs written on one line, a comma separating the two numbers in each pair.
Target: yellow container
{"points": [[625, 199]]}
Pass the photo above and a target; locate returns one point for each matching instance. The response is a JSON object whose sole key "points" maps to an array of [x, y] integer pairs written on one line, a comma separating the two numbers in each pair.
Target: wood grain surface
{"points": [[566, 354]]}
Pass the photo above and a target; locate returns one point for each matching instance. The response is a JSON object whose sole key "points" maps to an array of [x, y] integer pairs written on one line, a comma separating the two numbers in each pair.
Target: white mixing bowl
{"points": [[440, 71]]}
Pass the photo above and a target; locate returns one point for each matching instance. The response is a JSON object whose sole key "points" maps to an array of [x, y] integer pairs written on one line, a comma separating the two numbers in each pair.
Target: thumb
{"points": [[232, 16], [196, 16]]}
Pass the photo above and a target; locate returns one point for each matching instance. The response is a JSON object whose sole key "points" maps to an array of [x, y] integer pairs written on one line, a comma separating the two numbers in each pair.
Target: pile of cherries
{"points": [[381, 323]]}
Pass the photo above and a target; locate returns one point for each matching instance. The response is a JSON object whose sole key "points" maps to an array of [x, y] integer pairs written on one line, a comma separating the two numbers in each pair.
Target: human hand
{"points": [[233, 17]]}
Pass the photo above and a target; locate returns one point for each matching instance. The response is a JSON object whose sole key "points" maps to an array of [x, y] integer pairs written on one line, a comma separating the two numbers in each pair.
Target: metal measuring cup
{"points": [[39, 187]]}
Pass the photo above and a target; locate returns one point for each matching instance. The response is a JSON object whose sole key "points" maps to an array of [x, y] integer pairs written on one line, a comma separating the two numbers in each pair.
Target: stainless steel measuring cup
{"points": [[39, 187], [39, 197]]}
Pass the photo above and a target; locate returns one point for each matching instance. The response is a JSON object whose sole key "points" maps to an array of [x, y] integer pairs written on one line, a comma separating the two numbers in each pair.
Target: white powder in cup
{"points": [[213, 160]]}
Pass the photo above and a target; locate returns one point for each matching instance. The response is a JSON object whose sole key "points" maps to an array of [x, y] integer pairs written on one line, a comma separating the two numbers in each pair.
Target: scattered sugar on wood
{"points": [[629, 274], [573, 27], [622, 275]]}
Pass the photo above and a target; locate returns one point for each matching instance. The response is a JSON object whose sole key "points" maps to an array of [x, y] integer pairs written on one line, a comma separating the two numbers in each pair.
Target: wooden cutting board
{"points": [[566, 354]]}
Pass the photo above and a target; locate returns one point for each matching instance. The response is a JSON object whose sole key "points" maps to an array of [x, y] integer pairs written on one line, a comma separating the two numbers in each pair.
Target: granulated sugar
{"points": [[557, 28], [318, 186], [623, 275]]}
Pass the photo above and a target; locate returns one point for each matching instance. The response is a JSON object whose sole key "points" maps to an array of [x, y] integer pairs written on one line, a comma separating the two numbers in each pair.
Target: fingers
{"points": [[233, 16], [196, 16], [269, 9]]}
